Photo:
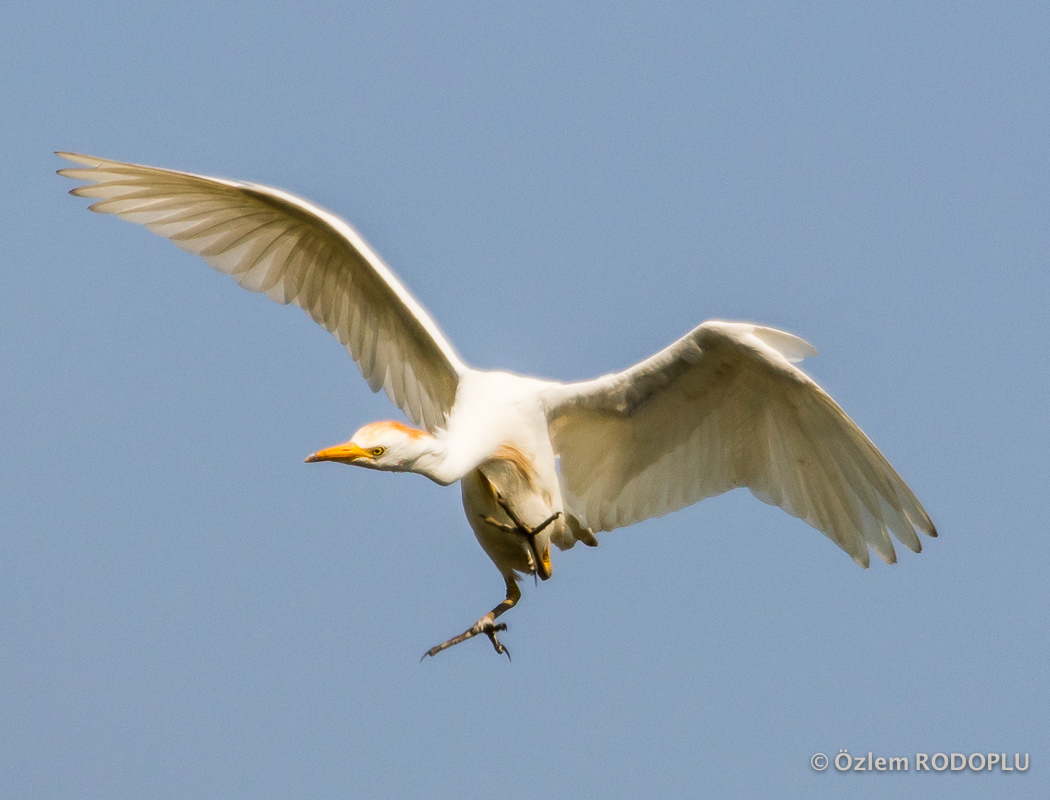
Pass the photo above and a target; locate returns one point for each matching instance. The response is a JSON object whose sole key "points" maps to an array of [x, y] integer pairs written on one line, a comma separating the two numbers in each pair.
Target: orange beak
{"points": [[347, 453]]}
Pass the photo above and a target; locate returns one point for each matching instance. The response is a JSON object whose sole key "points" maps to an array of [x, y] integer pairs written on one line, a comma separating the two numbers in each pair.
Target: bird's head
{"points": [[388, 446]]}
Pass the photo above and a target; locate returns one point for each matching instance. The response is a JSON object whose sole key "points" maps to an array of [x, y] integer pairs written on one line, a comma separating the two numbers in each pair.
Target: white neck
{"points": [[432, 461]]}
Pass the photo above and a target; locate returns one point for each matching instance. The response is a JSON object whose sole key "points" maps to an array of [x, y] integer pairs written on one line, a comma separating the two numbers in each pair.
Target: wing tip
{"points": [[889, 557], [924, 524], [913, 543], [79, 158]]}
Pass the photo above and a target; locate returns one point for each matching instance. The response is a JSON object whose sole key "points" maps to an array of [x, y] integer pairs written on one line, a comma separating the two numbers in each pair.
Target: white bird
{"points": [[539, 462]]}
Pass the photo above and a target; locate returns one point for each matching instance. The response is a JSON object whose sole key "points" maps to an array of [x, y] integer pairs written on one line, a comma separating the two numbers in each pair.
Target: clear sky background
{"points": [[189, 611]]}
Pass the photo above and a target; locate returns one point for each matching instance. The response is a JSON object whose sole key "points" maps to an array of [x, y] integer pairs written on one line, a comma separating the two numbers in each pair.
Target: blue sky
{"points": [[187, 610]]}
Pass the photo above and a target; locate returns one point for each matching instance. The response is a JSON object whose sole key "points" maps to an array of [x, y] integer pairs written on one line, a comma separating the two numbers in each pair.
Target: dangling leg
{"points": [[486, 625], [543, 564]]}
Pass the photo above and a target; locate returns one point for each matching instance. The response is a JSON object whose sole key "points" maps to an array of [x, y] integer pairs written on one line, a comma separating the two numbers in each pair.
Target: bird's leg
{"points": [[486, 625], [543, 565]]}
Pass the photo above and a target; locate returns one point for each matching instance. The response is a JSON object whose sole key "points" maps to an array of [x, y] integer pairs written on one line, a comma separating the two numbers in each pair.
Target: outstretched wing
{"points": [[295, 252], [721, 408]]}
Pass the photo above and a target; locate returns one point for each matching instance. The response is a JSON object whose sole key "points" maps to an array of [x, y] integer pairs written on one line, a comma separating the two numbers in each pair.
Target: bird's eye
{"points": [[378, 451]]}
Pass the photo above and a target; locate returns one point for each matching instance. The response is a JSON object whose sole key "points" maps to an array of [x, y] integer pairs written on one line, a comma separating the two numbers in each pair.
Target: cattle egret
{"points": [[539, 462]]}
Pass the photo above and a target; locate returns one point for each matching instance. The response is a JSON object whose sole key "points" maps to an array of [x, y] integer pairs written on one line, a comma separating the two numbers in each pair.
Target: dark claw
{"points": [[496, 643]]}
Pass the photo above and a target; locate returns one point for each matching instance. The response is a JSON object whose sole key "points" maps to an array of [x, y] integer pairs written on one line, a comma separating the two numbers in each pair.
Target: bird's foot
{"points": [[486, 625], [542, 563]]}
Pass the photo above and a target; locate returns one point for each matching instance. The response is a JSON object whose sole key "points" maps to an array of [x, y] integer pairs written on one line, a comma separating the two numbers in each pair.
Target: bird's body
{"points": [[517, 461], [539, 462]]}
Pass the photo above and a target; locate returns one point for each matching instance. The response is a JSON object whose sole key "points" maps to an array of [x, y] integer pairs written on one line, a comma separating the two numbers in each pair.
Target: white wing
{"points": [[295, 252], [720, 408]]}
